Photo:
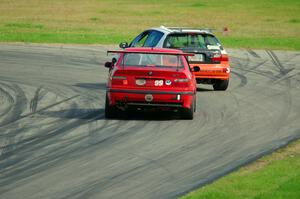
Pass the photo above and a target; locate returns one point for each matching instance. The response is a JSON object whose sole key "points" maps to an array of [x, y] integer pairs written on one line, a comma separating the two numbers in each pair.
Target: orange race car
{"points": [[210, 55]]}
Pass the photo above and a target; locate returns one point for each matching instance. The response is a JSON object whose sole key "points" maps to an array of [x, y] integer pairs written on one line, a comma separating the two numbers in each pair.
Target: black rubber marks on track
{"points": [[278, 64]]}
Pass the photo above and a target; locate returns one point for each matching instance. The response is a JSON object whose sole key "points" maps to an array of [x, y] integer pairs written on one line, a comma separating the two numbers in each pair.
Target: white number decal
{"points": [[158, 82]]}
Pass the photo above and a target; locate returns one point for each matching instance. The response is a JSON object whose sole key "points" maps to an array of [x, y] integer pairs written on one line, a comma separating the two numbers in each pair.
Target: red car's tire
{"points": [[110, 111], [188, 113], [221, 85]]}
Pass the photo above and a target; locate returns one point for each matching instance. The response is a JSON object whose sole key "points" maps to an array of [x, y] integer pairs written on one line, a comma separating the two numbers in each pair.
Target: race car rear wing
{"points": [[150, 52]]}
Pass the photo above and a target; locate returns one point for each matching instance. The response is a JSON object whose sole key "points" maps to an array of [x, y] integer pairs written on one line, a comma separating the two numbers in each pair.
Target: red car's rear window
{"points": [[151, 60]]}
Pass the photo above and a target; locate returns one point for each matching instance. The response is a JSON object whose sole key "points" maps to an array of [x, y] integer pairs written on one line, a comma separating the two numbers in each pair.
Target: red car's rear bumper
{"points": [[172, 99]]}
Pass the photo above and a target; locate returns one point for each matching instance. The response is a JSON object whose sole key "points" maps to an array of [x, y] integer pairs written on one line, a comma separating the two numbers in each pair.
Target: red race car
{"points": [[142, 78]]}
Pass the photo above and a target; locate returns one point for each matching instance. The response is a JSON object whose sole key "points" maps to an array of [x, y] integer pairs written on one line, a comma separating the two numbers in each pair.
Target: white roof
{"points": [[183, 29]]}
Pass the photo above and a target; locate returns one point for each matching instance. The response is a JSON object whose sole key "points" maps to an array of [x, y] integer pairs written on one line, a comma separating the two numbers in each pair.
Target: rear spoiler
{"points": [[150, 52]]}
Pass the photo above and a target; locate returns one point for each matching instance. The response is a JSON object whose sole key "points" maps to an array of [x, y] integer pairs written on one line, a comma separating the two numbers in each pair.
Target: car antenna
{"points": [[177, 63], [123, 62]]}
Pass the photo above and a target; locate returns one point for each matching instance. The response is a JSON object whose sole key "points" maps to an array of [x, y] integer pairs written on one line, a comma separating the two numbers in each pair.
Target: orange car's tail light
{"points": [[224, 57], [216, 56]]}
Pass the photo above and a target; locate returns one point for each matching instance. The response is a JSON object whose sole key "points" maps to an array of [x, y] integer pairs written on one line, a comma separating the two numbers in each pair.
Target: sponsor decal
{"points": [[140, 82], [158, 83], [168, 82]]}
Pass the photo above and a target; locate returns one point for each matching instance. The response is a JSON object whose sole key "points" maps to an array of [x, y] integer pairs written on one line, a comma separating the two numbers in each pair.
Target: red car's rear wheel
{"points": [[110, 111], [188, 113]]}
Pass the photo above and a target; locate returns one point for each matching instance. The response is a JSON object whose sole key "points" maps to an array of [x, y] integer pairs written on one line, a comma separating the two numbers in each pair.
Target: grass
{"points": [[255, 24], [276, 176]]}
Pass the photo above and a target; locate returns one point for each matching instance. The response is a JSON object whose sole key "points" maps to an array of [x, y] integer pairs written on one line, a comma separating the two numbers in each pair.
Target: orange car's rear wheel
{"points": [[221, 85]]}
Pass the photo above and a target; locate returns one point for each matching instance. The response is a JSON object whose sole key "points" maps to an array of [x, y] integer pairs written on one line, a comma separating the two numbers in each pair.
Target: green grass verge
{"points": [[252, 24], [68, 38], [273, 177]]}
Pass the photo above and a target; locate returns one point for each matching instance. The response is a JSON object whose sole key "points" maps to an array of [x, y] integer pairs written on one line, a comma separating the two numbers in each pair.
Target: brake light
{"points": [[118, 77], [216, 56], [181, 80], [119, 80], [224, 57]]}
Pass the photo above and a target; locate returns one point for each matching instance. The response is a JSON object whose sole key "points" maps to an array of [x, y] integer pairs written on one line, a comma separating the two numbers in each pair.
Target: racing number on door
{"points": [[158, 82]]}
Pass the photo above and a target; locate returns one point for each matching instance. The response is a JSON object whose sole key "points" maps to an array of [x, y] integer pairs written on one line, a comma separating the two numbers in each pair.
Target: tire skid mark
{"points": [[278, 64], [76, 146], [19, 104], [11, 143], [248, 61], [253, 53], [6, 97], [35, 140], [40, 110], [258, 72], [242, 77], [37, 96], [254, 69], [287, 92], [285, 77], [28, 147]]}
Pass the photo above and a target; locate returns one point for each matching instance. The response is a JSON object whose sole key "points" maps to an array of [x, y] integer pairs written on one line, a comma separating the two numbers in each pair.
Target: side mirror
{"points": [[108, 64], [114, 60], [195, 69], [123, 45]]}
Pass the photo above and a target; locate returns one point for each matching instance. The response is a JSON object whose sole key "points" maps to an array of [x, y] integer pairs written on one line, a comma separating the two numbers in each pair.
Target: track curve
{"points": [[55, 142]]}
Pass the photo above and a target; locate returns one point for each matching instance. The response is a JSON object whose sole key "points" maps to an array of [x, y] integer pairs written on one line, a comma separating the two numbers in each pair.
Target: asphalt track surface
{"points": [[56, 143]]}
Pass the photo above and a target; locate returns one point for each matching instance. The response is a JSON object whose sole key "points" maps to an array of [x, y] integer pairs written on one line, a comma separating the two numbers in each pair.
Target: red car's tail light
{"points": [[119, 80], [181, 80], [118, 77]]}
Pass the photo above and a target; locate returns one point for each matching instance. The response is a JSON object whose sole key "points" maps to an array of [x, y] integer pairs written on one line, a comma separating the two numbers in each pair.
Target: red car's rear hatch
{"points": [[151, 78]]}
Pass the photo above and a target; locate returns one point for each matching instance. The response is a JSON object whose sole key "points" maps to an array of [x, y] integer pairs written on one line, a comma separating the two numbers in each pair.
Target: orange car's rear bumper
{"points": [[212, 71]]}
